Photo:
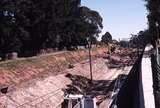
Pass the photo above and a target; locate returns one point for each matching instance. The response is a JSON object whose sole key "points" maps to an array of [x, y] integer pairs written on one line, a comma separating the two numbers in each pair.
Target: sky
{"points": [[120, 17]]}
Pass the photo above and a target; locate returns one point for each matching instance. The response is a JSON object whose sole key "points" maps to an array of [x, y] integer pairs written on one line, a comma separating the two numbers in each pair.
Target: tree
{"points": [[141, 39], [106, 38], [27, 26], [10, 33], [153, 7]]}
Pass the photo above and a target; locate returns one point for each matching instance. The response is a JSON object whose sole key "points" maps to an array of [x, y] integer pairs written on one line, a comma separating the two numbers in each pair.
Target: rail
{"points": [[78, 105]]}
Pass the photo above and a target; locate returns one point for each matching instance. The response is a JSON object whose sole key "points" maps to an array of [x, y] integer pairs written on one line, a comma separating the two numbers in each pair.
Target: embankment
{"points": [[22, 70]]}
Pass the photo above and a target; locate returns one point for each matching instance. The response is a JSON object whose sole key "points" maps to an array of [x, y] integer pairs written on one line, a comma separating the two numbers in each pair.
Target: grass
{"points": [[62, 59]]}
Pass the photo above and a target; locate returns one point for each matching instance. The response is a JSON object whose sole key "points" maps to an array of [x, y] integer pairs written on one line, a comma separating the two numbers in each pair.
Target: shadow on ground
{"points": [[97, 88]]}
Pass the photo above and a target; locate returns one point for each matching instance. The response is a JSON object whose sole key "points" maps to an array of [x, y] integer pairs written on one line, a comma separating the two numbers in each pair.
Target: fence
{"points": [[130, 94], [78, 105]]}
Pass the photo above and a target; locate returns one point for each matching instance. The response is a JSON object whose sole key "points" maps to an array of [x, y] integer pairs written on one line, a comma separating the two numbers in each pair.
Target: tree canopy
{"points": [[141, 39], [26, 26], [153, 7], [106, 38]]}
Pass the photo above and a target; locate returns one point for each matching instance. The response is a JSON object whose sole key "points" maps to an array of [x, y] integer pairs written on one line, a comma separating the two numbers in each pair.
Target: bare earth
{"points": [[47, 92]]}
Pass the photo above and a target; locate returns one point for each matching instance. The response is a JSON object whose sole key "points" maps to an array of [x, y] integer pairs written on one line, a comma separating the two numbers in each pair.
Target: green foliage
{"points": [[153, 7], [141, 39], [26, 26], [106, 38]]}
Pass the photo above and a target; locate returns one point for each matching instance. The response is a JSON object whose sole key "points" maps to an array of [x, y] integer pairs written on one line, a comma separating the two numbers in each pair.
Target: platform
{"points": [[147, 82]]}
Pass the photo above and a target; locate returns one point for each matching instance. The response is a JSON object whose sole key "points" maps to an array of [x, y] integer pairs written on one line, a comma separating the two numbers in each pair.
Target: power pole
{"points": [[90, 57]]}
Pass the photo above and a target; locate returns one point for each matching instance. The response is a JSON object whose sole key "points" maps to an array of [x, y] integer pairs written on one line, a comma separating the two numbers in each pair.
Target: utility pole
{"points": [[90, 57]]}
